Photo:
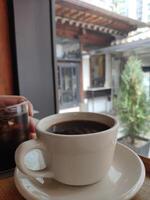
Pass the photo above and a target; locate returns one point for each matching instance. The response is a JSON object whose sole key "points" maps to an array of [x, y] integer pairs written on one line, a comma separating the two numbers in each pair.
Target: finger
{"points": [[32, 128], [33, 136], [7, 100], [30, 106], [31, 125]]}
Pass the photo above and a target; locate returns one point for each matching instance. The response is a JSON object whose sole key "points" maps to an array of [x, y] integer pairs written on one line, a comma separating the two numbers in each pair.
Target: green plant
{"points": [[132, 104]]}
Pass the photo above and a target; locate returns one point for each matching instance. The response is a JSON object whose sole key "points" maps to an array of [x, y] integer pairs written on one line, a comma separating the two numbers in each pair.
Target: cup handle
{"points": [[20, 153]]}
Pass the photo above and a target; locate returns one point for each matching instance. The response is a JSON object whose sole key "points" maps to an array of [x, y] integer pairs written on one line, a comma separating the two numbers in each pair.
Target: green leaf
{"points": [[131, 104]]}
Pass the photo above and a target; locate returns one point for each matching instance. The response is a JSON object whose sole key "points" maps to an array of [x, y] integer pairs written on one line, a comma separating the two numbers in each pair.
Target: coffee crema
{"points": [[77, 127]]}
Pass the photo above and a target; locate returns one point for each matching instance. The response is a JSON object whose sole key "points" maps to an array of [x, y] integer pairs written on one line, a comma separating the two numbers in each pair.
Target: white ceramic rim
{"points": [[111, 129], [131, 193]]}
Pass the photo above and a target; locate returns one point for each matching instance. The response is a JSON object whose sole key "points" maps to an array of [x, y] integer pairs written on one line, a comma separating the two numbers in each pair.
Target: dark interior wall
{"points": [[35, 55], [6, 78]]}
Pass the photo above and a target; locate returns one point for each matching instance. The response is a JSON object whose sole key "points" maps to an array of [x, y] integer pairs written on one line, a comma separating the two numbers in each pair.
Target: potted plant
{"points": [[133, 107]]}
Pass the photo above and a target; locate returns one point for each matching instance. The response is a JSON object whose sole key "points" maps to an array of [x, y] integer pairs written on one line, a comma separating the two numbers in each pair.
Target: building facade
{"points": [[138, 9]]}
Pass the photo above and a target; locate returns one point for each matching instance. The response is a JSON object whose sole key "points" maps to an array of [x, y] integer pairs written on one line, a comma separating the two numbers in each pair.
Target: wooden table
{"points": [[8, 190]]}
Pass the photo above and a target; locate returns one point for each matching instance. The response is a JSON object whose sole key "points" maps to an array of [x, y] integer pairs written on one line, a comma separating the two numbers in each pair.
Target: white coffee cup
{"points": [[72, 159]]}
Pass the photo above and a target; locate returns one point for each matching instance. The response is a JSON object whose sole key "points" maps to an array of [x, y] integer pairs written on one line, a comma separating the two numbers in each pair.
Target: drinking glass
{"points": [[14, 129]]}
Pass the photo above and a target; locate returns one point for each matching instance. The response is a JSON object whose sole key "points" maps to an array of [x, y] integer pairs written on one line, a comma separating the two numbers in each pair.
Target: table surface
{"points": [[8, 190]]}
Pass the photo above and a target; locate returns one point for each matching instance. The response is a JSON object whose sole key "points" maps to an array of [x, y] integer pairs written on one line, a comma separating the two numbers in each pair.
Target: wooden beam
{"points": [[120, 26], [72, 13], [64, 10], [103, 21], [82, 17], [94, 39], [65, 30], [89, 37], [77, 15], [86, 18], [88, 26], [92, 18]]}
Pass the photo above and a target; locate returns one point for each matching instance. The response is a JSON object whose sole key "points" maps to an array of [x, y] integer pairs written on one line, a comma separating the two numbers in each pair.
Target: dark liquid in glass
{"points": [[13, 131], [77, 127]]}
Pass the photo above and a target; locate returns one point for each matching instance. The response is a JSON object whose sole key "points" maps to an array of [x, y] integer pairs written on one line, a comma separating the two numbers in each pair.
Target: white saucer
{"points": [[122, 182]]}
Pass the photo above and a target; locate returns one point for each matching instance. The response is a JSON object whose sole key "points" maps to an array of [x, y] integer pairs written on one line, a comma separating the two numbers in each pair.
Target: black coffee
{"points": [[77, 127], [13, 131]]}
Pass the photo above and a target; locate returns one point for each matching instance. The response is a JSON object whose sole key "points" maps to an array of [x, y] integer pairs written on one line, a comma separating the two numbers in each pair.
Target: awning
{"points": [[82, 15], [136, 40]]}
